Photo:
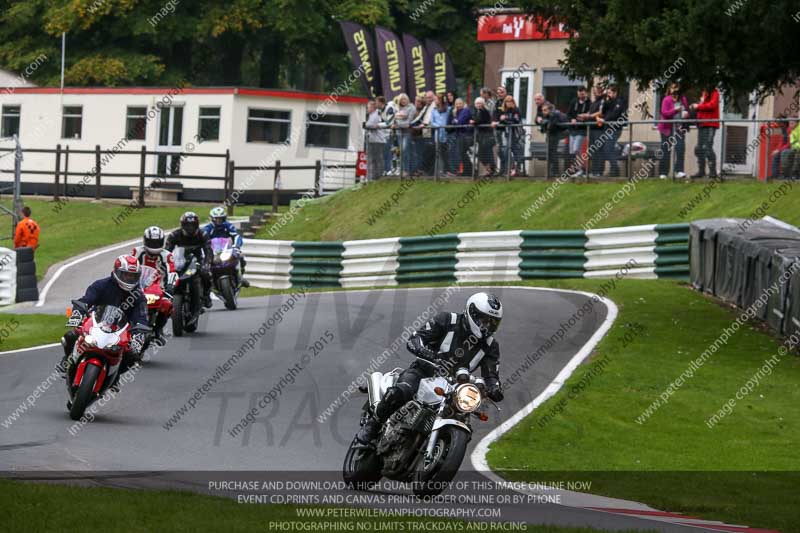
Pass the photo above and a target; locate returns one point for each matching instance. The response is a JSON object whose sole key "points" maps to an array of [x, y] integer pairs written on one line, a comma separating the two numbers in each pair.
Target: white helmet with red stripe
{"points": [[127, 272]]}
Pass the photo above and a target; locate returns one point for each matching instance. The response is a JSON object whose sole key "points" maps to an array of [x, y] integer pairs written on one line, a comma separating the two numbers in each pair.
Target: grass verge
{"points": [[741, 470], [81, 226], [38, 507], [393, 208], [24, 331]]}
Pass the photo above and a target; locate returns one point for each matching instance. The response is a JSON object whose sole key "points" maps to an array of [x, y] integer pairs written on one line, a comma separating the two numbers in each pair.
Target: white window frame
{"points": [[260, 119], [64, 115], [217, 117]]}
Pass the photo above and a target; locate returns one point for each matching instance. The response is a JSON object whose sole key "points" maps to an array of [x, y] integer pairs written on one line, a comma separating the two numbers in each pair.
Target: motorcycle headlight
{"points": [[468, 398], [225, 256], [88, 339]]}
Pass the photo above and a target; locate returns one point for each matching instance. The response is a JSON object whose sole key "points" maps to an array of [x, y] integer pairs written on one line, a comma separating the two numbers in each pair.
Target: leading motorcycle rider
{"points": [[120, 289], [190, 236], [220, 227], [153, 254], [451, 341]]}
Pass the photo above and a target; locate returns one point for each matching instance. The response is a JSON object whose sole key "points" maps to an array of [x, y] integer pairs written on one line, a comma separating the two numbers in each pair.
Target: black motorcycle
{"points": [[187, 301], [423, 442]]}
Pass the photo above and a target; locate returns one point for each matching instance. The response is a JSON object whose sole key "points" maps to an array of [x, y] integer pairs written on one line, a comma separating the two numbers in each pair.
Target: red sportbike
{"points": [[104, 338], [158, 301]]}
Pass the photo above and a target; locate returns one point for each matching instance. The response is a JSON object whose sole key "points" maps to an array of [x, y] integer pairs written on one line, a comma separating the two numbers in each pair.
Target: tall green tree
{"points": [[740, 45]]}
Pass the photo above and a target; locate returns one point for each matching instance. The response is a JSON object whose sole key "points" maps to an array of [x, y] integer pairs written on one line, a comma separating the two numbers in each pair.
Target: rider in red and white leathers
{"points": [[153, 254]]}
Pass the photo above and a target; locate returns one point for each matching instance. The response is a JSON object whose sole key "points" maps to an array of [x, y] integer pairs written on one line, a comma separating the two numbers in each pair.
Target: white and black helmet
{"points": [[153, 240], [484, 313]]}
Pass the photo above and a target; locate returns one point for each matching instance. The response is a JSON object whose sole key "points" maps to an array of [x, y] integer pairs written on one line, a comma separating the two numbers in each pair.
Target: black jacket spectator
{"points": [[614, 109]]}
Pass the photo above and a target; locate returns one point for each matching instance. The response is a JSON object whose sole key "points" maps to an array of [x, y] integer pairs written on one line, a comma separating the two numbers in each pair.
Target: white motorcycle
{"points": [[424, 441]]}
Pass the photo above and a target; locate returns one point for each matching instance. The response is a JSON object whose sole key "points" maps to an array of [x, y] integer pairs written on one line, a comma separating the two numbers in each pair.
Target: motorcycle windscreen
{"points": [[110, 318], [220, 244], [149, 276]]}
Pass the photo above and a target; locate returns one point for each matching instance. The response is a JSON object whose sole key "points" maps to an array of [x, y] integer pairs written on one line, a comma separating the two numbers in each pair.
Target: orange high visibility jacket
{"points": [[27, 233]]}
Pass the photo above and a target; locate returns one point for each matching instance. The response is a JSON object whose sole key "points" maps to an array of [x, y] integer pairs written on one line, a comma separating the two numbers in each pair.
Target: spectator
{"points": [[483, 121], [595, 132], [465, 136], [27, 231], [614, 110], [790, 159], [554, 120], [405, 114], [510, 119], [488, 98], [387, 111], [579, 106], [785, 129], [376, 142], [539, 100], [673, 135], [440, 119], [426, 153], [451, 99], [500, 146], [707, 110]]}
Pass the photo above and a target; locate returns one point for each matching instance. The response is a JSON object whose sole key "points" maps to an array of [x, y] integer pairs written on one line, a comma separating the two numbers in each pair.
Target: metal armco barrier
{"points": [[651, 251], [752, 264], [27, 289], [8, 276]]}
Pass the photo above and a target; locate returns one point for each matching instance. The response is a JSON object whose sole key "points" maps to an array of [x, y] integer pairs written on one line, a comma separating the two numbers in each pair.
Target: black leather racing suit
{"points": [[447, 340], [198, 244]]}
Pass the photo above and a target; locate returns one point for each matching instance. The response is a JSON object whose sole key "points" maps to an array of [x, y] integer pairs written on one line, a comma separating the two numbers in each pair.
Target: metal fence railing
{"points": [[620, 149]]}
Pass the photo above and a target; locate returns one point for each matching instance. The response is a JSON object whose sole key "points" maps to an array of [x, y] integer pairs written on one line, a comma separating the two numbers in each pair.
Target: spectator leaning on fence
{"points": [[555, 122], [673, 135], [27, 231], [595, 112], [387, 111], [539, 100], [440, 119], [614, 109], [707, 110], [500, 145], [376, 142], [790, 159], [463, 119], [579, 106], [405, 114], [510, 119], [482, 120]]}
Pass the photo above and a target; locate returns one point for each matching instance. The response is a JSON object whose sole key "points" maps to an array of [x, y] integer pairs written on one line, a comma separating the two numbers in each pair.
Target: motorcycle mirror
{"points": [[439, 391], [69, 311]]}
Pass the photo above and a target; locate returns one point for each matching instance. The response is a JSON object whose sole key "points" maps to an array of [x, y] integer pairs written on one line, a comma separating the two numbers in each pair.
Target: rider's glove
{"points": [[426, 353], [172, 279], [137, 343], [495, 393]]}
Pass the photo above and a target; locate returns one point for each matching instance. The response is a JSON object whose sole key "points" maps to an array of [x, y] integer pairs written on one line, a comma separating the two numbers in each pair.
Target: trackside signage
{"points": [[518, 28]]}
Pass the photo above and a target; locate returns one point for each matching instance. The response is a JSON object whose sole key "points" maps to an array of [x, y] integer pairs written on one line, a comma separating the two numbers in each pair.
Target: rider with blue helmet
{"points": [[220, 227]]}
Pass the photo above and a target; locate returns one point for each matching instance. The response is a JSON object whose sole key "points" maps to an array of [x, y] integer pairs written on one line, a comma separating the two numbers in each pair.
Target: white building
{"points": [[257, 126]]}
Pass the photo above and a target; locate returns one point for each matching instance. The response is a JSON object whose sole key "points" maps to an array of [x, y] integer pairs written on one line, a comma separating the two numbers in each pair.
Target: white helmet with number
{"points": [[484, 313]]}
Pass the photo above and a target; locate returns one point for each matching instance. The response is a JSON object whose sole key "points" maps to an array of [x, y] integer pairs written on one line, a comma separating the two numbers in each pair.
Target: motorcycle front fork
{"points": [[434, 435]]}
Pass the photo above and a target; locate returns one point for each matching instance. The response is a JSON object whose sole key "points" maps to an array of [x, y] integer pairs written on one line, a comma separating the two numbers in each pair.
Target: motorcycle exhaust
{"points": [[375, 388]]}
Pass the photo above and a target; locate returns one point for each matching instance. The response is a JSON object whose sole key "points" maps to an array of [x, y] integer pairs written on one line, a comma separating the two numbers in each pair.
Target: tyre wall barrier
{"points": [[651, 251], [8, 276], [27, 289], [753, 265]]}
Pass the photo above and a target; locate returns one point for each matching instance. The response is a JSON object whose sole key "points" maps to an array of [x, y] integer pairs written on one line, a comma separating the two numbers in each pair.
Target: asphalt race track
{"points": [[129, 433]]}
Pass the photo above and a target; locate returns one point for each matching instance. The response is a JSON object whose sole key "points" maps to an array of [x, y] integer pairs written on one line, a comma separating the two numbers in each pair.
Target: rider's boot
{"points": [[67, 343], [158, 330]]}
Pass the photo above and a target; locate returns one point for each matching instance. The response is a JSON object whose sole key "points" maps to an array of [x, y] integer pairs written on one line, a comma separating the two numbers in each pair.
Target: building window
{"points": [[268, 125], [327, 131], [559, 89], [136, 123], [10, 126], [208, 124], [72, 122]]}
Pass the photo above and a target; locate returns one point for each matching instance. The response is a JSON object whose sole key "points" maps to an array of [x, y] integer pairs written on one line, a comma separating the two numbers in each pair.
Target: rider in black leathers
{"points": [[191, 237], [452, 341]]}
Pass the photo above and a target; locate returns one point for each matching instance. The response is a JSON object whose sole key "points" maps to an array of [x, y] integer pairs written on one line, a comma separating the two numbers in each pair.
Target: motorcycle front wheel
{"points": [[85, 393], [228, 293], [362, 467], [434, 475]]}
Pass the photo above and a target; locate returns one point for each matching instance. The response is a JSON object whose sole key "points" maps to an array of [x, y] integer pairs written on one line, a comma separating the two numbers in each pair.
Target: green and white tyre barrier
{"points": [[645, 252]]}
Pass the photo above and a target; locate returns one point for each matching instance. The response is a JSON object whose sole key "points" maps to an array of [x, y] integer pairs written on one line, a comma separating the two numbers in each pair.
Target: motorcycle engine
{"points": [[401, 438]]}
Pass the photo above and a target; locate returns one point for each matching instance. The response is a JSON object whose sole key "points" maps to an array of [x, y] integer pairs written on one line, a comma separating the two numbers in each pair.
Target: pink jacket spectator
{"points": [[668, 112]]}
